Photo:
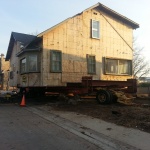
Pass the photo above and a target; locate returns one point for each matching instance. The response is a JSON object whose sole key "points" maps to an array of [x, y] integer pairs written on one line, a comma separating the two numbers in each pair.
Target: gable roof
{"points": [[24, 39], [115, 14], [102, 8]]}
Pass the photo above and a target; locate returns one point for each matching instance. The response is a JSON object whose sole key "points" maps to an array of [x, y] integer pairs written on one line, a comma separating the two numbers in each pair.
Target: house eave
{"points": [[53, 27], [28, 50], [105, 9], [10, 46]]}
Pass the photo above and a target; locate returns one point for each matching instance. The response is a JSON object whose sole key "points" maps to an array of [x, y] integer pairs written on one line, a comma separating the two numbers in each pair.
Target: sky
{"points": [[35, 16]]}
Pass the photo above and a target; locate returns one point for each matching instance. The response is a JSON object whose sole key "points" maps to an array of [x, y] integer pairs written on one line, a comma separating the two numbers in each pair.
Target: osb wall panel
{"points": [[115, 77], [53, 80], [73, 38]]}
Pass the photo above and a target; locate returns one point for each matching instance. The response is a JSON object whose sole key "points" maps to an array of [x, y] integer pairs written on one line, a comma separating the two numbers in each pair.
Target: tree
{"points": [[34, 33], [140, 65]]}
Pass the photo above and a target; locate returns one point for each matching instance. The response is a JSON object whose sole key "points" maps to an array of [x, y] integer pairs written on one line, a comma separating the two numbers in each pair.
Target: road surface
{"points": [[20, 129]]}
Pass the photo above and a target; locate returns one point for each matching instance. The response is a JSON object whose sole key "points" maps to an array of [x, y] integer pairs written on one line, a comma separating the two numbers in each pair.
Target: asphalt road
{"points": [[21, 129]]}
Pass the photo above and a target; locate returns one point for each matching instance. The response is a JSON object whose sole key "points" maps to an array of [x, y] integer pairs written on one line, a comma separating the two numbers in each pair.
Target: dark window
{"points": [[56, 61], [118, 66], [91, 64], [1, 77], [23, 65], [11, 75], [29, 63], [32, 63]]}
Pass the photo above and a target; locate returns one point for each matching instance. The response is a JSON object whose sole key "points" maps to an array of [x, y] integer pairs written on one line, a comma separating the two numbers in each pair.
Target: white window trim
{"points": [[94, 29]]}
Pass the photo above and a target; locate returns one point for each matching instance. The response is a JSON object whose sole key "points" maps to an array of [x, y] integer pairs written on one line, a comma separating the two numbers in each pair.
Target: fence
{"points": [[143, 91]]}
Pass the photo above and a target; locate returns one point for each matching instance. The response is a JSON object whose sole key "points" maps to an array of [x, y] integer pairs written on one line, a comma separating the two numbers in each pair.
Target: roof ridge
{"points": [[103, 8], [22, 33]]}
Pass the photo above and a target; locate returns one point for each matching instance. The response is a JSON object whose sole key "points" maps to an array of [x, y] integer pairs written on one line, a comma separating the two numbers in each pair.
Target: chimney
{"points": [[1, 62], [2, 55]]}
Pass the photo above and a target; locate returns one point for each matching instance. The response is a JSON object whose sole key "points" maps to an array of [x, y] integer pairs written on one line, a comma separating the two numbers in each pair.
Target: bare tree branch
{"points": [[140, 65]]}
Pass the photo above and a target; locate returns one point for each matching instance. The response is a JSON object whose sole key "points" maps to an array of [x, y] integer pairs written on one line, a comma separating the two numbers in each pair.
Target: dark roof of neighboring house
{"points": [[32, 46], [24, 39], [101, 8], [144, 78]]}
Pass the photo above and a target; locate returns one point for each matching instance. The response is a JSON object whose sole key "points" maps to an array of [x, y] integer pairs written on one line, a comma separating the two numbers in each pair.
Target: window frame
{"points": [[29, 61], [91, 70], [52, 70], [27, 67], [95, 29], [129, 62], [25, 70]]}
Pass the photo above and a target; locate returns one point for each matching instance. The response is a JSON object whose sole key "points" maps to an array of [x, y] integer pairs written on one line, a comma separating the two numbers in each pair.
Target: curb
{"points": [[88, 134]]}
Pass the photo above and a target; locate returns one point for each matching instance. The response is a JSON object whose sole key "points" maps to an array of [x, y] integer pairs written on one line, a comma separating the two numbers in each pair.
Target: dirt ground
{"points": [[135, 116]]}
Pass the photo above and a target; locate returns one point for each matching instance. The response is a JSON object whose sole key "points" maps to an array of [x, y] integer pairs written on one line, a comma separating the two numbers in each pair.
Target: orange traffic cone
{"points": [[23, 101]]}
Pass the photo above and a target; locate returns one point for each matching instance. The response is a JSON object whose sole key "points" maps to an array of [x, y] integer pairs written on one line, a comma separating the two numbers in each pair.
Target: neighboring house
{"points": [[144, 80], [4, 73], [96, 42], [17, 45]]}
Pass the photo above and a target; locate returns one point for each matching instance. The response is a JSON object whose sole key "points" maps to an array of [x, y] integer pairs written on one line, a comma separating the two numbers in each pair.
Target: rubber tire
{"points": [[111, 97], [114, 99], [103, 97]]}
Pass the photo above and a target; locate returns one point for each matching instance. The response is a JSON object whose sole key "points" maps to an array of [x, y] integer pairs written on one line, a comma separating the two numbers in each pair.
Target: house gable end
{"points": [[114, 14], [24, 40], [103, 8]]}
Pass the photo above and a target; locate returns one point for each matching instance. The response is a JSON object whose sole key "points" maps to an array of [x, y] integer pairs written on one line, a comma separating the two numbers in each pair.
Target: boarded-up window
{"points": [[55, 61], [118, 66], [91, 64]]}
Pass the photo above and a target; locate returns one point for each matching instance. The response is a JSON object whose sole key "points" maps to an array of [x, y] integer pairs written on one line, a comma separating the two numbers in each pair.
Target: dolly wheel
{"points": [[103, 97]]}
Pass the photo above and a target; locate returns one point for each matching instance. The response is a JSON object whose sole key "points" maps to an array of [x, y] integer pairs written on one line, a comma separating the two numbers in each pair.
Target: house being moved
{"points": [[96, 42]]}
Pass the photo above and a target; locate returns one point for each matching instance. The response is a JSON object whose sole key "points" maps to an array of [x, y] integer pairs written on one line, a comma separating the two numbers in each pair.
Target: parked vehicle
{"points": [[6, 96]]}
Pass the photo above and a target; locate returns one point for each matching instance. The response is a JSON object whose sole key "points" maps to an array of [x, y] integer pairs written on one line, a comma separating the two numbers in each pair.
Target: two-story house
{"points": [[96, 42]]}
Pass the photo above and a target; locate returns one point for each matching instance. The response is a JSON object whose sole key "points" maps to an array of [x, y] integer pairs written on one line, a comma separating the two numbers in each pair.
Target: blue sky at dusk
{"points": [[35, 16]]}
